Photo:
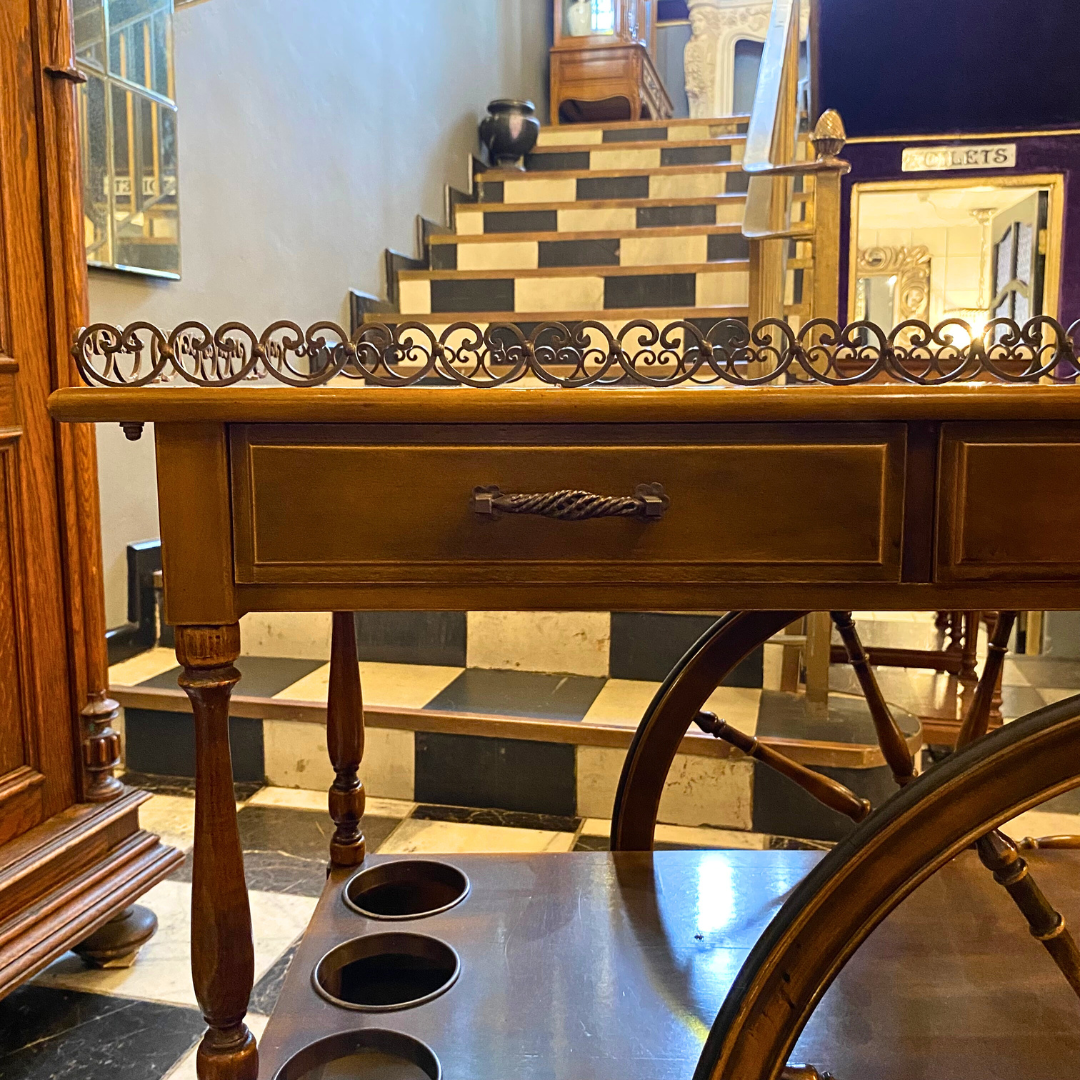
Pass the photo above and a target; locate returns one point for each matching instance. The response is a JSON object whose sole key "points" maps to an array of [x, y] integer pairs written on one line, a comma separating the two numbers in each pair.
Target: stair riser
{"points": [[580, 135], [537, 188], [477, 222], [708, 288], [630, 158], [627, 251]]}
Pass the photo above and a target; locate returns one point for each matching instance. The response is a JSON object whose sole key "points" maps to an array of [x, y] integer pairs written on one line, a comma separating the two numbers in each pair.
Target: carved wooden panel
{"points": [[1009, 508], [394, 503]]}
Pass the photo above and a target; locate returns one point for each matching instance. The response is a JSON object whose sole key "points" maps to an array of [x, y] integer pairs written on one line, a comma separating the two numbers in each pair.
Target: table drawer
{"points": [[388, 503], [1009, 502]]}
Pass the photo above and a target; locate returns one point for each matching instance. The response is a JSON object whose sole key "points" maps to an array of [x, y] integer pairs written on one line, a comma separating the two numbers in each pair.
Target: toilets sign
{"points": [[947, 158]]}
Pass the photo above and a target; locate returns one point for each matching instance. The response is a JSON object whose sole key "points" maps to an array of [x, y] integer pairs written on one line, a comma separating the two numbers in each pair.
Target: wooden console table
{"points": [[770, 501]]}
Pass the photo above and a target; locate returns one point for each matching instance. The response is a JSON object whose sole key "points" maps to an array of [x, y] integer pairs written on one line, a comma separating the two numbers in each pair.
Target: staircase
{"points": [[611, 222]]}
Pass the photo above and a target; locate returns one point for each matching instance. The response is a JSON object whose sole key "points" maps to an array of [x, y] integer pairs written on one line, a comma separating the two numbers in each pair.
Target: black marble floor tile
{"points": [[656, 134], [696, 155], [183, 785], [578, 253], [286, 851], [848, 719], [736, 182], [260, 676], [442, 256], [265, 993], [412, 637], [160, 742], [1049, 672], [472, 294], [507, 819], [519, 693], [512, 774], [1020, 700], [575, 160], [48, 1034], [664, 845], [613, 187], [648, 644], [724, 246], [592, 843], [655, 217], [518, 221], [650, 290], [791, 843], [490, 191]]}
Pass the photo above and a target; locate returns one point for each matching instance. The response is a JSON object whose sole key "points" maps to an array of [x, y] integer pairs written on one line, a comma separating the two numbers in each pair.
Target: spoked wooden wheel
{"points": [[958, 802]]}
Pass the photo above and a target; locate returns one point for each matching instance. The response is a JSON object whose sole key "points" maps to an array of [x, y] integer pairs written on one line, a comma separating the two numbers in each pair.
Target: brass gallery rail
{"points": [[584, 354]]}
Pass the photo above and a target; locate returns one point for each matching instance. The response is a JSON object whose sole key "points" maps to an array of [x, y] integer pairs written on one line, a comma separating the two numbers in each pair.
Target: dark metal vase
{"points": [[509, 132]]}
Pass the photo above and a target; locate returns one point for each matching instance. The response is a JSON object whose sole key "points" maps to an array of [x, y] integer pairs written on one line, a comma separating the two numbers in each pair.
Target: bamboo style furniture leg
{"points": [[222, 950], [894, 747], [345, 742]]}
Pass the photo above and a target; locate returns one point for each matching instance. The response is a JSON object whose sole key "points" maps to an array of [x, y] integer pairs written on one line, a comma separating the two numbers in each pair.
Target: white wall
{"points": [[311, 134]]}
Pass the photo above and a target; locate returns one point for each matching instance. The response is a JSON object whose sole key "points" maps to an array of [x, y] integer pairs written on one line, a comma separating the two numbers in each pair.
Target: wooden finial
{"points": [[829, 135]]}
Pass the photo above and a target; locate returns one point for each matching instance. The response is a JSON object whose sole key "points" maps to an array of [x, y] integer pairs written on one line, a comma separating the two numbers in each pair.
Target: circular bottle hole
{"points": [[380, 972], [366, 1054], [407, 889]]}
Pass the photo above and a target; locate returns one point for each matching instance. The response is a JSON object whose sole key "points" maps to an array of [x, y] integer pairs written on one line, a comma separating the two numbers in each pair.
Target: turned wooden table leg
{"points": [[222, 951], [345, 742]]}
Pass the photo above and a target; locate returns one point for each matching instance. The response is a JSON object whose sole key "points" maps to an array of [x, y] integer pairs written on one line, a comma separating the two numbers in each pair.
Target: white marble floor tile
{"points": [[1013, 675], [299, 635], [1038, 823], [172, 817], [142, 667], [738, 705], [622, 702], [571, 642], [315, 801], [184, 1069], [596, 827], [403, 686], [415, 836], [162, 971]]}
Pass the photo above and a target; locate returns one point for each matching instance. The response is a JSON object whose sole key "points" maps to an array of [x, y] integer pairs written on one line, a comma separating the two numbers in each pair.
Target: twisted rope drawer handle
{"points": [[647, 503]]}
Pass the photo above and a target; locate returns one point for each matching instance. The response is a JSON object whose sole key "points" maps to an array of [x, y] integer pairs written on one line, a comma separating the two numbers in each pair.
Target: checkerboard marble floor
{"points": [[142, 1023]]}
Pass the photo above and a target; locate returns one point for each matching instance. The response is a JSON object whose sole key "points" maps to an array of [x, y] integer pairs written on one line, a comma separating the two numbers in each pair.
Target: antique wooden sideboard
{"points": [[933, 476]]}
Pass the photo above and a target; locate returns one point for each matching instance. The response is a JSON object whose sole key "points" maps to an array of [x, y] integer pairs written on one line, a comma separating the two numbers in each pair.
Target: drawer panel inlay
{"points": [[328, 503], [1009, 505]]}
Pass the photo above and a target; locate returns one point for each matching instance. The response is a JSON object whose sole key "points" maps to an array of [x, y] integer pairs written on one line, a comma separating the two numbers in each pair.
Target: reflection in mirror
{"points": [[585, 17]]}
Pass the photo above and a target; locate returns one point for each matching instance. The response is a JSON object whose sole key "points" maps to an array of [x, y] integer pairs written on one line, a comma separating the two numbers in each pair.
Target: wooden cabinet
{"points": [[72, 855], [602, 66]]}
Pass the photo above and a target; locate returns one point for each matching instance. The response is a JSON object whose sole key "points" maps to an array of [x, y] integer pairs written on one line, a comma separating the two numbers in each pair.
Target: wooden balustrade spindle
{"points": [[345, 743], [827, 791], [978, 715], [891, 739], [222, 951]]}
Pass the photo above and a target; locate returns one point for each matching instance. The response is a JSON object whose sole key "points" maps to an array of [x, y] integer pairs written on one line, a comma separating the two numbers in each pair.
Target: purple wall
{"points": [[906, 67], [1038, 154]]}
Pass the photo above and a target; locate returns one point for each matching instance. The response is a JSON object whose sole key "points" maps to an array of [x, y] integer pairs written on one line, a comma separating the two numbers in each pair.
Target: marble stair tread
{"points": [[542, 175], [733, 229], [726, 266], [726, 139], [639, 130]]}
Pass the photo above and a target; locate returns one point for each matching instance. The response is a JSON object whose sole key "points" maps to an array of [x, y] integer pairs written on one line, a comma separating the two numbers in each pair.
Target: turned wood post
{"points": [[345, 743], [222, 950], [979, 713], [894, 747]]}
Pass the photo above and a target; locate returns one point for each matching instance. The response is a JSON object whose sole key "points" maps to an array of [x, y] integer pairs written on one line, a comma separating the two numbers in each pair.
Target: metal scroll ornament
{"points": [[586, 353]]}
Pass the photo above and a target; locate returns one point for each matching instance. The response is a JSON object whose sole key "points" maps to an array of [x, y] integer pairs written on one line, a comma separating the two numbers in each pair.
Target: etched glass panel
{"points": [[144, 183], [1003, 261], [585, 17], [139, 43], [1022, 308], [90, 32], [1024, 251], [93, 146]]}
